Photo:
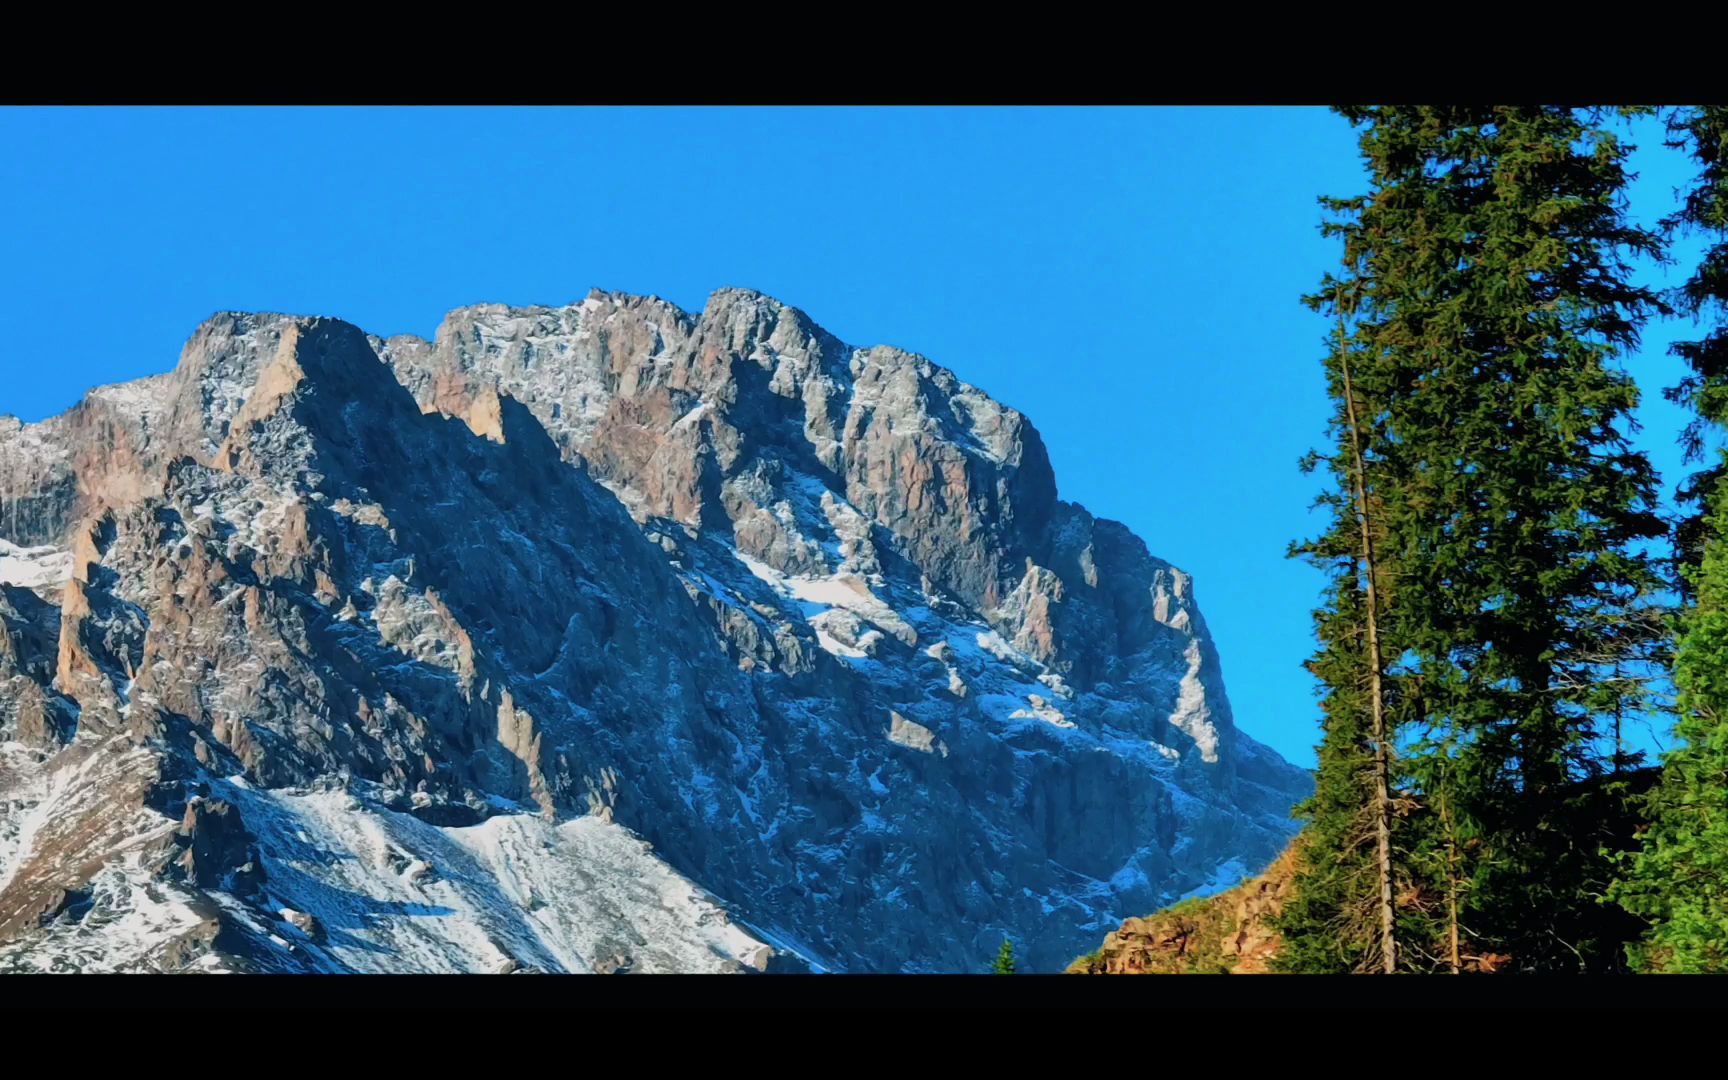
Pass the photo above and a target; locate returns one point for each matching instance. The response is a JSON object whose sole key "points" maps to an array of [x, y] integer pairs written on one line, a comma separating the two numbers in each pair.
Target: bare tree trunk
{"points": [[1376, 688], [1451, 885]]}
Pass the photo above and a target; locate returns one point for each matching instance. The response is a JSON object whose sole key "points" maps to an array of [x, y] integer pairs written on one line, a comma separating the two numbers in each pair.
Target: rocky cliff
{"points": [[608, 637]]}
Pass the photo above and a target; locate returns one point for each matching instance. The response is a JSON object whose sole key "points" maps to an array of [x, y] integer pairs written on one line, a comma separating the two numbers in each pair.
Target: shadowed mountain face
{"points": [[598, 638]]}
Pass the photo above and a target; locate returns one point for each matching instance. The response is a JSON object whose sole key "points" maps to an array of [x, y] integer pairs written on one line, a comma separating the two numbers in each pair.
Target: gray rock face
{"points": [[32, 712], [809, 619]]}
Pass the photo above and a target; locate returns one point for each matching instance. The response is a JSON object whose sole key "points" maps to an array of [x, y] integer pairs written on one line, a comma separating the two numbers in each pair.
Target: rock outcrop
{"points": [[808, 620], [1230, 933]]}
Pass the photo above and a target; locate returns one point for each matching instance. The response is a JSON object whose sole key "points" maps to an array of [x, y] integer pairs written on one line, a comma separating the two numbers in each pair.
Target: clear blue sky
{"points": [[1127, 277]]}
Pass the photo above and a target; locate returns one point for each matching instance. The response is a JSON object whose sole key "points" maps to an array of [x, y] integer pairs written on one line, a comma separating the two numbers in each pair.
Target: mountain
{"points": [[608, 637]]}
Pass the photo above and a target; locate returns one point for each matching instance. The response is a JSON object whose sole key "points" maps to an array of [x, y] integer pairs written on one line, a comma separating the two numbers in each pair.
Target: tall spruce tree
{"points": [[1341, 917], [1492, 298], [1702, 131], [1679, 878]]}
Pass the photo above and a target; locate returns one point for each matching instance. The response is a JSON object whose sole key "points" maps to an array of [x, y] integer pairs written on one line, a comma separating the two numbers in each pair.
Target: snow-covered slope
{"points": [[350, 885], [515, 892], [40, 567]]}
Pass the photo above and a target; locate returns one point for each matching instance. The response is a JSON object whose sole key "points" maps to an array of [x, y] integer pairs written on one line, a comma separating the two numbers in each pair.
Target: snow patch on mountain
{"points": [[40, 567], [390, 892], [118, 924]]}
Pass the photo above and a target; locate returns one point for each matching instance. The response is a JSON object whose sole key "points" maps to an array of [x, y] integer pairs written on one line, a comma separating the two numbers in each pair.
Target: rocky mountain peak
{"points": [[809, 620]]}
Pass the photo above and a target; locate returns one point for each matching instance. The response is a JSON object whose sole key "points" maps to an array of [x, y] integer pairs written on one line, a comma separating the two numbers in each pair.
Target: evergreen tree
{"points": [[1004, 959], [1703, 131], [1329, 924], [1679, 879], [1490, 296], [1340, 917]]}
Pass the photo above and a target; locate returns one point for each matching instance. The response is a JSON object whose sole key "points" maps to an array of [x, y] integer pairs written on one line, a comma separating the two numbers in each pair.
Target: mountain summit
{"points": [[608, 637]]}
